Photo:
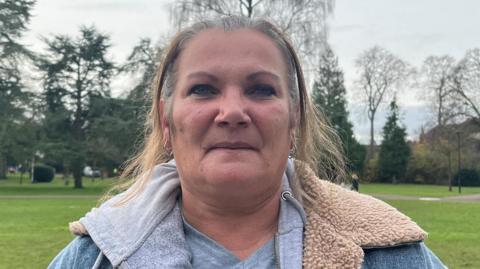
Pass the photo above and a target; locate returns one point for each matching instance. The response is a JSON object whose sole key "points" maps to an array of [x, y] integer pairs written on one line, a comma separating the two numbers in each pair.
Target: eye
{"points": [[202, 90], [261, 90]]}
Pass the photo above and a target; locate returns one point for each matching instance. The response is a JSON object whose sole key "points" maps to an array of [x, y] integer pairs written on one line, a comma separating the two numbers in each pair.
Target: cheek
{"points": [[276, 124], [190, 122]]}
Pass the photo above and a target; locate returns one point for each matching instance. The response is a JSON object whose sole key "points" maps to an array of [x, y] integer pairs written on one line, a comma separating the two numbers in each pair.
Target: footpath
{"points": [[458, 198]]}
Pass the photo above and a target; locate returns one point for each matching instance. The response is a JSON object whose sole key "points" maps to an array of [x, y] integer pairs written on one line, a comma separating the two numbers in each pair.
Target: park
{"points": [[402, 124], [35, 217]]}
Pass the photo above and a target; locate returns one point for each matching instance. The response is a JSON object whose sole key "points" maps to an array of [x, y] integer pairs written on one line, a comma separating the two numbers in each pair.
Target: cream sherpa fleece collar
{"points": [[340, 223]]}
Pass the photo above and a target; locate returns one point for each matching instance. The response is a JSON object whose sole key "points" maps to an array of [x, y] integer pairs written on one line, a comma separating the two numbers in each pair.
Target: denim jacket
{"points": [[338, 229]]}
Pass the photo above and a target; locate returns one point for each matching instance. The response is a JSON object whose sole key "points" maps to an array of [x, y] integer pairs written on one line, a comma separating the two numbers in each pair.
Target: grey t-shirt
{"points": [[208, 254]]}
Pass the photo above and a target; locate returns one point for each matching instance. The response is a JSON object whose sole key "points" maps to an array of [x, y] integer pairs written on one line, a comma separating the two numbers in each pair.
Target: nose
{"points": [[232, 110]]}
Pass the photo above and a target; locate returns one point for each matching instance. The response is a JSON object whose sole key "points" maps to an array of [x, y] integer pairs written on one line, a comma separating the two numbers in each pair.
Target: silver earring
{"points": [[168, 149], [292, 152]]}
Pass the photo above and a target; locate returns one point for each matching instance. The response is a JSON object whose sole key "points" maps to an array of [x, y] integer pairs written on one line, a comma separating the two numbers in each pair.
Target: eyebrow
{"points": [[252, 76], [202, 74], [263, 73]]}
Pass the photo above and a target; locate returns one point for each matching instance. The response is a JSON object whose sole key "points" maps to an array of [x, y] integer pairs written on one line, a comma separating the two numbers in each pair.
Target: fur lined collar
{"points": [[340, 223]]}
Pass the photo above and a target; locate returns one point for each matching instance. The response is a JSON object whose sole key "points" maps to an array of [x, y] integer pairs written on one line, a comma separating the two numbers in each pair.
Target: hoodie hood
{"points": [[119, 231]]}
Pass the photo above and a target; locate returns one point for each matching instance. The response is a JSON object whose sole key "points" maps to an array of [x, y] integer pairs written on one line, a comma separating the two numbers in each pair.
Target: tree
{"points": [[113, 131], [76, 71], [14, 99], [394, 150], [436, 75], [328, 95], [143, 60], [303, 20], [467, 82], [427, 165], [443, 147], [131, 112], [380, 74]]}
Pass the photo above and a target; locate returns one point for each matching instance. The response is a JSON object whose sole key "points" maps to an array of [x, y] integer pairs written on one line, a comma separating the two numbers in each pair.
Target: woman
{"points": [[215, 187]]}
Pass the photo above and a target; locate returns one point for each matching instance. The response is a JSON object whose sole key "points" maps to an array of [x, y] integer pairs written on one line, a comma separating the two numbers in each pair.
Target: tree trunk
{"points": [[77, 172], [372, 141], [77, 178], [250, 8], [449, 171], [3, 168]]}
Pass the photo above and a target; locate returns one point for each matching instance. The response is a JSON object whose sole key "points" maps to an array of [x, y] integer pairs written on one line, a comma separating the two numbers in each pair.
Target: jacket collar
{"points": [[341, 223]]}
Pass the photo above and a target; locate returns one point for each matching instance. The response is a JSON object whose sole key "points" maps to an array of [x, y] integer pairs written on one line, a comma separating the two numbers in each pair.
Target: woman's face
{"points": [[231, 130]]}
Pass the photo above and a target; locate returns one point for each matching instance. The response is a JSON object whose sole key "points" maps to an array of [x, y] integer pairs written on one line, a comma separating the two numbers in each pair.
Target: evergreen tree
{"points": [[76, 72], [14, 99], [141, 65], [143, 60], [394, 150], [113, 132], [329, 97]]}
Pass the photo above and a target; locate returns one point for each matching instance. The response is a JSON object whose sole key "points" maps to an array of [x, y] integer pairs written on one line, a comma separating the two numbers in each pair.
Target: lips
{"points": [[232, 146]]}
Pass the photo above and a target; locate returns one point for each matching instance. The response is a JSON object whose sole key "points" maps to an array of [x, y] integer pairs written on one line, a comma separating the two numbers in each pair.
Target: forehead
{"points": [[237, 49]]}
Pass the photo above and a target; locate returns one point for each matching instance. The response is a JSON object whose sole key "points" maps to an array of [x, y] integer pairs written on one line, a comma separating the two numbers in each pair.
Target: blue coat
{"points": [[83, 253], [325, 226]]}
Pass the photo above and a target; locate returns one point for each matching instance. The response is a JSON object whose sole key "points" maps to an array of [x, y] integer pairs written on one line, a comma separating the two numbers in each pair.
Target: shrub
{"points": [[468, 177], [43, 173]]}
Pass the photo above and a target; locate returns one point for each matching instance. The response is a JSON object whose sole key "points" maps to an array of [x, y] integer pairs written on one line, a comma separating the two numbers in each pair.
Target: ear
{"points": [[164, 125]]}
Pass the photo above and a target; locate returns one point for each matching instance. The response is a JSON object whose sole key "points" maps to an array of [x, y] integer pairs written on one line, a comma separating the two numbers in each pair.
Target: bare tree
{"points": [[435, 82], [380, 74], [303, 20], [467, 82]]}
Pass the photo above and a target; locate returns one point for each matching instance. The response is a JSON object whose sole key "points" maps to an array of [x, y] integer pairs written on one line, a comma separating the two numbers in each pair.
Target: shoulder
{"points": [[80, 253], [367, 221], [412, 256]]}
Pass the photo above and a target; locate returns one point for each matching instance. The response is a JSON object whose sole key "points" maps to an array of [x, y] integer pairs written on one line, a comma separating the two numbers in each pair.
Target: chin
{"points": [[234, 172], [236, 176]]}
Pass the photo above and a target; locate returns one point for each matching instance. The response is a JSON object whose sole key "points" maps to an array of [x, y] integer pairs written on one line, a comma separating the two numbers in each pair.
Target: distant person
{"points": [[355, 182], [214, 186]]}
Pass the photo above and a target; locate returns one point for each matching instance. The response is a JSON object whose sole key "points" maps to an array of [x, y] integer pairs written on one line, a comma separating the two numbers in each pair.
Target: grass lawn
{"points": [[415, 190], [13, 186], [32, 231], [454, 229]]}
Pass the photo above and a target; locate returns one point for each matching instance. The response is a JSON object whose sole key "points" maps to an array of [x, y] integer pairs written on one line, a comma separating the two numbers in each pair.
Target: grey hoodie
{"points": [[147, 232]]}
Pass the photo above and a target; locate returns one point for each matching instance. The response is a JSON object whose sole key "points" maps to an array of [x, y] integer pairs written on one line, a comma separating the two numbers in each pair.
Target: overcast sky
{"points": [[411, 29]]}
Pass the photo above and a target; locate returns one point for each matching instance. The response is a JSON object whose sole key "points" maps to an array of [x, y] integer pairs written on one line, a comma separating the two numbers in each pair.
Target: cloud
{"points": [[346, 28]]}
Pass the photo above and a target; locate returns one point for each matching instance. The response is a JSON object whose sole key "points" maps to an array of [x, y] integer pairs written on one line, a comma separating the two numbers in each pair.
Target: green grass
{"points": [[14, 186], [32, 232], [415, 190], [454, 229]]}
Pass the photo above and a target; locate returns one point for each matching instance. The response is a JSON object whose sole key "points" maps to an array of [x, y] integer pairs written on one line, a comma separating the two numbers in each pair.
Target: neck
{"points": [[240, 229]]}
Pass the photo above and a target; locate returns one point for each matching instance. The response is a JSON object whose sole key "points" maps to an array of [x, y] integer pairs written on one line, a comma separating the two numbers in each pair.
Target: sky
{"points": [[411, 29]]}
